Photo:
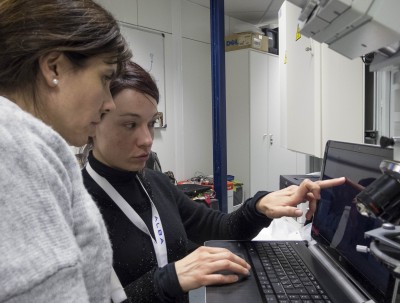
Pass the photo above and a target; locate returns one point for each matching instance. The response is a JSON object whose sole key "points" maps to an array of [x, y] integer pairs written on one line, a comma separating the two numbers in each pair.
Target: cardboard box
{"points": [[246, 40]]}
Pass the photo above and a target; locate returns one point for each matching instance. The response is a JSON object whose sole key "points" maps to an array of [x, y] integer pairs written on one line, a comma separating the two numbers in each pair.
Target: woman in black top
{"points": [[121, 146]]}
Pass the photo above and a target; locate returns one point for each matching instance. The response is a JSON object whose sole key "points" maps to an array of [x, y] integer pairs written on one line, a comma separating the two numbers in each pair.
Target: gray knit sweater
{"points": [[53, 243]]}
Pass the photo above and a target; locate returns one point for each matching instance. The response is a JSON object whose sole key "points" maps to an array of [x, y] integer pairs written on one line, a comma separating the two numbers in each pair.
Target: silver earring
{"points": [[55, 81]]}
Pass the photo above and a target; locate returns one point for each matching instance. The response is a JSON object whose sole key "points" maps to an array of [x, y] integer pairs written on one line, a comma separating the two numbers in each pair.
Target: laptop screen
{"points": [[338, 226]]}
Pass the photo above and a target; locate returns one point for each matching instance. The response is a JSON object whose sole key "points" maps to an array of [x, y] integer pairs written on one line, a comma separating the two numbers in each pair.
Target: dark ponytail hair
{"points": [[133, 76]]}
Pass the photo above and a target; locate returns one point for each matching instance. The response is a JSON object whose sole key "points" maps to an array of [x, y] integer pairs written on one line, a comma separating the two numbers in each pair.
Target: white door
{"points": [[281, 161], [300, 65], [259, 171], [395, 105]]}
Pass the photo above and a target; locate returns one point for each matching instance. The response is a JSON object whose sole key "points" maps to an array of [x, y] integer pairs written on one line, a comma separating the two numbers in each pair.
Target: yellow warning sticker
{"points": [[298, 35]]}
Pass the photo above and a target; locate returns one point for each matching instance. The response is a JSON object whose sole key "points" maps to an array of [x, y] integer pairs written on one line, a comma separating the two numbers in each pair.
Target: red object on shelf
{"points": [[229, 185]]}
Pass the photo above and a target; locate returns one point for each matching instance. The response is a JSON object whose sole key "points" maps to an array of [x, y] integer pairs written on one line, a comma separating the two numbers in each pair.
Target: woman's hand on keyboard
{"points": [[208, 266], [283, 202]]}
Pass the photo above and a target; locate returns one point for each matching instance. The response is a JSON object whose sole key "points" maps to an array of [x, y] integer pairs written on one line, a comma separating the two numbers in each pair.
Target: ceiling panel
{"points": [[246, 6], [250, 17], [205, 3], [256, 12]]}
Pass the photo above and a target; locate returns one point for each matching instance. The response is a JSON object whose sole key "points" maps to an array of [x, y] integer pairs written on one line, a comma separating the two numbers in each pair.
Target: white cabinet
{"points": [[155, 14], [254, 155], [322, 92], [123, 10]]}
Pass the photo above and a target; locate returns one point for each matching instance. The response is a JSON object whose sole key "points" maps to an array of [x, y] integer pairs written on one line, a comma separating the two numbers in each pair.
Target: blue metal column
{"points": [[219, 101]]}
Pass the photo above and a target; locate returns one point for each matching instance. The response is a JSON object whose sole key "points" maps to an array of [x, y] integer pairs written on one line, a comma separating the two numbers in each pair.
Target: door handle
{"points": [[271, 138]]}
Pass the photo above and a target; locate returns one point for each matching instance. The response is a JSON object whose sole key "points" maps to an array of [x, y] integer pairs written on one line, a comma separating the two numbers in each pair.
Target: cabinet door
{"points": [[155, 14], [259, 139], [281, 161], [300, 63], [123, 10], [238, 116], [324, 90], [342, 97], [395, 105], [252, 104], [198, 106]]}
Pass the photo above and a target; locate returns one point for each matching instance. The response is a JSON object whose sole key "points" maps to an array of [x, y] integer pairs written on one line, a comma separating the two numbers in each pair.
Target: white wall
{"points": [[185, 145]]}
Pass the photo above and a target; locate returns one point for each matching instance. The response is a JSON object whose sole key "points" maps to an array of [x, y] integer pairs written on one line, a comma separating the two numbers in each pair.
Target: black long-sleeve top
{"points": [[183, 219]]}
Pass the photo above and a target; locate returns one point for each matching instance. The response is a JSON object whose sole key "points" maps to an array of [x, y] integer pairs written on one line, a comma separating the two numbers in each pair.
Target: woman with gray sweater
{"points": [[57, 59]]}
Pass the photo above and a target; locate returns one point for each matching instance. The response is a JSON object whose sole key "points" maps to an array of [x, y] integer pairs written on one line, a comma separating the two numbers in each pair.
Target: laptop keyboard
{"points": [[282, 275]]}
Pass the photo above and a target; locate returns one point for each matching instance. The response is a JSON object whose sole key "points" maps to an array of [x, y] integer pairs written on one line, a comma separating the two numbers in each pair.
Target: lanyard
{"points": [[159, 244]]}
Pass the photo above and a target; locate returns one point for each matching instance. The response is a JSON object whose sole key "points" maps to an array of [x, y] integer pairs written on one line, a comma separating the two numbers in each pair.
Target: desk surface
{"points": [[284, 228]]}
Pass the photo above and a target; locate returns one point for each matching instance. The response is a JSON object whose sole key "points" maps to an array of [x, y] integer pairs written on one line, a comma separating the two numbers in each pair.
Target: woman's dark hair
{"points": [[29, 29], [133, 76]]}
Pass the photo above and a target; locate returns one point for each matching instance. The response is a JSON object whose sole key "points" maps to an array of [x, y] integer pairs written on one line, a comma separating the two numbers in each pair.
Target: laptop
{"points": [[328, 268]]}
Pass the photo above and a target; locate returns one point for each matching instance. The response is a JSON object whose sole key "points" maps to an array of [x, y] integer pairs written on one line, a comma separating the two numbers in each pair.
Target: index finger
{"points": [[315, 187], [331, 182]]}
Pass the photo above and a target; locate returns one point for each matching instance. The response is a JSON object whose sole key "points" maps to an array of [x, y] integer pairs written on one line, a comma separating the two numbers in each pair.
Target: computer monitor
{"points": [[345, 226]]}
